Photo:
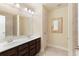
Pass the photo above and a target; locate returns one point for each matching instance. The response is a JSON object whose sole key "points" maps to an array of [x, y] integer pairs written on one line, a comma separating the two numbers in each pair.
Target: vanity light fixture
{"points": [[32, 12], [29, 11], [17, 5], [25, 9]]}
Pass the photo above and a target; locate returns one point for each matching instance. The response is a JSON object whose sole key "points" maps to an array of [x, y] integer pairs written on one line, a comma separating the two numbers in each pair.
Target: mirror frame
{"points": [[60, 25]]}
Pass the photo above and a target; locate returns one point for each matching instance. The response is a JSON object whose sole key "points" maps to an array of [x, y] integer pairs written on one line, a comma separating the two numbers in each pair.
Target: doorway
{"points": [[60, 41]]}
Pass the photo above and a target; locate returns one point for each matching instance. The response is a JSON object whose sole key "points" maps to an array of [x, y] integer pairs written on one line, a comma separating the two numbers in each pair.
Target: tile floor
{"points": [[77, 52], [50, 51]]}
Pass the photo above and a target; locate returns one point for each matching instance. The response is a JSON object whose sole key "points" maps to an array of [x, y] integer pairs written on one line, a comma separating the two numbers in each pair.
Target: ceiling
{"points": [[50, 6], [28, 5]]}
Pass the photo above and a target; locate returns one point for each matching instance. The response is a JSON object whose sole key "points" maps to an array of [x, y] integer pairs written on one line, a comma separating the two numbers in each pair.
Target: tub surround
{"points": [[17, 41]]}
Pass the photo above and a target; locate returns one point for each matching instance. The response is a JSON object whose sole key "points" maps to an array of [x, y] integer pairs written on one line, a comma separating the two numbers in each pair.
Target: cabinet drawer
{"points": [[32, 52], [38, 48], [24, 52], [32, 47], [11, 52], [38, 44], [32, 42], [38, 40], [22, 47]]}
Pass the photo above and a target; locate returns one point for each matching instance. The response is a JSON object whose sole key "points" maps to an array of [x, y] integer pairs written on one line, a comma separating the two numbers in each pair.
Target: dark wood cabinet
{"points": [[23, 50], [38, 45], [30, 48], [35, 46], [10, 52]]}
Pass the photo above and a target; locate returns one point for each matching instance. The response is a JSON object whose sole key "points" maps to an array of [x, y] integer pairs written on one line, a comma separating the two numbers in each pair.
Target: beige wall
{"points": [[59, 39], [72, 28], [75, 26]]}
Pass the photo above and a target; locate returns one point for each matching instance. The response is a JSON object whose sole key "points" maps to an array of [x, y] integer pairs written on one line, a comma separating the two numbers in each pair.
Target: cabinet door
{"points": [[23, 50], [32, 47], [11, 52], [38, 45], [35, 46], [32, 52]]}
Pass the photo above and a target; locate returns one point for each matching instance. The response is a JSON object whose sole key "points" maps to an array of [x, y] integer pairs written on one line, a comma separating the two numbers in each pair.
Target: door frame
{"points": [[72, 28]]}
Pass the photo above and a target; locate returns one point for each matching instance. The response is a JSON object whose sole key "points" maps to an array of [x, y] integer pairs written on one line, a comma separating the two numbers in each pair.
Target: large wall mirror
{"points": [[14, 26], [2, 26], [8, 26], [25, 26]]}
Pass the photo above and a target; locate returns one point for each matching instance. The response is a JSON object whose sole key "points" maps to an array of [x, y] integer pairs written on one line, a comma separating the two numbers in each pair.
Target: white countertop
{"points": [[16, 42]]}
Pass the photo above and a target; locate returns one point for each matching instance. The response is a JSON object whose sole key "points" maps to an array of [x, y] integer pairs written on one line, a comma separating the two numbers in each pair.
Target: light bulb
{"points": [[17, 5], [29, 11], [25, 9], [32, 12]]}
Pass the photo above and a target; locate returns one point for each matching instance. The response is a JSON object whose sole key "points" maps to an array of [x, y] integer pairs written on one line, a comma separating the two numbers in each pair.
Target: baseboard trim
{"points": [[49, 45]]}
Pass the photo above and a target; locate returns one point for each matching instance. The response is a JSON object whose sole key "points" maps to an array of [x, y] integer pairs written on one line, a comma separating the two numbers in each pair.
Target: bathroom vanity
{"points": [[26, 47], [17, 37]]}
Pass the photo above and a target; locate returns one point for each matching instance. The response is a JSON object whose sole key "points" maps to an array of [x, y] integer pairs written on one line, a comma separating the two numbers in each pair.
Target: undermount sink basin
{"points": [[3, 43], [9, 40], [19, 39], [30, 36]]}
